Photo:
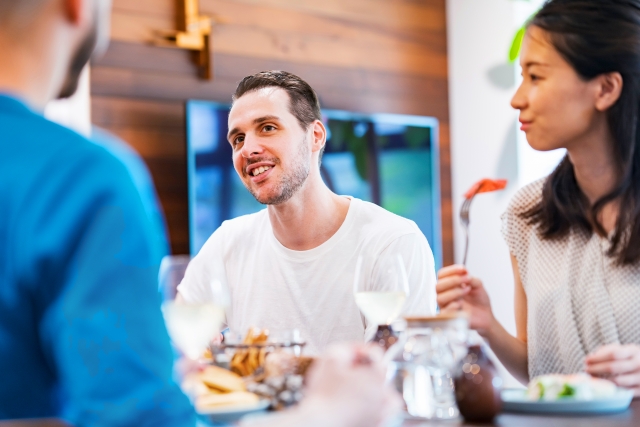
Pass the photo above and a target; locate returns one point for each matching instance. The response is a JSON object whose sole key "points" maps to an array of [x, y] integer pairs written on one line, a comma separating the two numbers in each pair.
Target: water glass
{"points": [[422, 364]]}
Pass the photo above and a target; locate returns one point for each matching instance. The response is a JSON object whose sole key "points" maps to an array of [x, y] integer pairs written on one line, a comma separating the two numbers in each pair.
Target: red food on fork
{"points": [[485, 186], [482, 186]]}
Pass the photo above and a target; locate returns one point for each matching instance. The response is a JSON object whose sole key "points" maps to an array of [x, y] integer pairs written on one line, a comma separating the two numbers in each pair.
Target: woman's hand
{"points": [[459, 291], [618, 363]]}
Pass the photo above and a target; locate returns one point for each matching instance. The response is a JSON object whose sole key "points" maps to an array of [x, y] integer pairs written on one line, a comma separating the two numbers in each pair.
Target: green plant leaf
{"points": [[516, 45]]}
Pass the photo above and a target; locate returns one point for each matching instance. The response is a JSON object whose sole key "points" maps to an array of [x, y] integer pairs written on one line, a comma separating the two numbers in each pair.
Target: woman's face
{"points": [[557, 107]]}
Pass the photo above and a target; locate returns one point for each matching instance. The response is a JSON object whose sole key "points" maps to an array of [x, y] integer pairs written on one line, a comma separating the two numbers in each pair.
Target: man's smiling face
{"points": [[271, 151]]}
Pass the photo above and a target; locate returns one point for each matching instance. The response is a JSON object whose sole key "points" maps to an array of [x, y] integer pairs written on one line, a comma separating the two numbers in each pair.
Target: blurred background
{"points": [[416, 96]]}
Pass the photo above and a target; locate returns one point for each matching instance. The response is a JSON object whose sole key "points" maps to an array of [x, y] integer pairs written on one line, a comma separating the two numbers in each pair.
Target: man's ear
{"points": [[319, 136], [73, 9], [609, 88]]}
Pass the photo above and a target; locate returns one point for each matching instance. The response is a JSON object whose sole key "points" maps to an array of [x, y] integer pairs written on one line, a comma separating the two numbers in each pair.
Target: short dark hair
{"points": [[304, 103], [303, 100], [15, 14]]}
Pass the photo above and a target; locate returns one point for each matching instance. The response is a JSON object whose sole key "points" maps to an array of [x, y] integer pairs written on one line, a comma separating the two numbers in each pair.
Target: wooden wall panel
{"points": [[126, 71], [256, 30], [359, 55], [156, 131]]}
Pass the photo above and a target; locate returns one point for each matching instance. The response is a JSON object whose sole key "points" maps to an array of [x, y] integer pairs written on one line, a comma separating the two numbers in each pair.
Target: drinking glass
{"points": [[422, 363], [191, 326], [172, 270], [381, 288]]}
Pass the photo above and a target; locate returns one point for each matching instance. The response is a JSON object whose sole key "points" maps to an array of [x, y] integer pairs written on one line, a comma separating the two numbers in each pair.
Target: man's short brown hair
{"points": [[304, 104], [16, 14]]}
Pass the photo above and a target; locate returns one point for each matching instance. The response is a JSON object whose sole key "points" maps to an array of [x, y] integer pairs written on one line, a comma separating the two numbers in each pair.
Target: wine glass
{"points": [[192, 326], [381, 288]]}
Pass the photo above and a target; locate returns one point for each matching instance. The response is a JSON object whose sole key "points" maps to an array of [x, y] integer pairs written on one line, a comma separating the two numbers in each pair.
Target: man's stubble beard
{"points": [[291, 182], [79, 61]]}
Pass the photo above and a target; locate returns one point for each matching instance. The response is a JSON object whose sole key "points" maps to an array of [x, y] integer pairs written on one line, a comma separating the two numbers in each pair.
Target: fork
{"points": [[482, 186], [464, 220]]}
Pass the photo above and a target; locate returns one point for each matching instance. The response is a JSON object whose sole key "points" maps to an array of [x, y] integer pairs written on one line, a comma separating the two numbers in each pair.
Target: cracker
{"points": [[237, 398], [222, 379]]}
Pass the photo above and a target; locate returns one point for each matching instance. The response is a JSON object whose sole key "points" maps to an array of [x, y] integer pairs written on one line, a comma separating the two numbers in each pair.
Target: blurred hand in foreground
{"points": [[618, 363], [457, 291], [345, 388]]}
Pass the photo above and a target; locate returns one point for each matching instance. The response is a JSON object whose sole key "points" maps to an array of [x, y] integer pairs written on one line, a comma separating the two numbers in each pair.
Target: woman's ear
{"points": [[609, 88]]}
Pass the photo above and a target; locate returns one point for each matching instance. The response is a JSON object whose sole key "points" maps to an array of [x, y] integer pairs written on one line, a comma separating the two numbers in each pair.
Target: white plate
{"points": [[234, 413], [516, 401]]}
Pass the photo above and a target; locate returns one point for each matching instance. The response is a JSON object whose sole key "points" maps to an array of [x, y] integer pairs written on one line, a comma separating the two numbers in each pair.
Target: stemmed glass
{"points": [[191, 327], [381, 288]]}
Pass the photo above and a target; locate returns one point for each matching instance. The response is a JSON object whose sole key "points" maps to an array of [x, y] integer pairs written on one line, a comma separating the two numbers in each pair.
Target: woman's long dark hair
{"points": [[597, 37]]}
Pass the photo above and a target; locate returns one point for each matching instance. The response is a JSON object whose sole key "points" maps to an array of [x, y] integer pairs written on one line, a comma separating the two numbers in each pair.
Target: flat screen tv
{"points": [[388, 159]]}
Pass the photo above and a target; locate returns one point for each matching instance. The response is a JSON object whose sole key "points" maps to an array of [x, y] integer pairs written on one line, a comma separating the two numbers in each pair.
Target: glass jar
{"points": [[478, 386], [422, 364]]}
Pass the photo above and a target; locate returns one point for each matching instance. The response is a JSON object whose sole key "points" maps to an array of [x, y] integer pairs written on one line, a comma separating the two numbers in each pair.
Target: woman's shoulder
{"points": [[516, 229], [526, 197]]}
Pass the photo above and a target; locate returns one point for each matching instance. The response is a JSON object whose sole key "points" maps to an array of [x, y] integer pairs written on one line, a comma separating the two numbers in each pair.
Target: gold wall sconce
{"points": [[194, 34]]}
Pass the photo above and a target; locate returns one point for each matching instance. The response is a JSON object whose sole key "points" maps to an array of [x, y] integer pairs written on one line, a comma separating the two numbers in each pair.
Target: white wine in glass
{"points": [[381, 308], [381, 288], [191, 327]]}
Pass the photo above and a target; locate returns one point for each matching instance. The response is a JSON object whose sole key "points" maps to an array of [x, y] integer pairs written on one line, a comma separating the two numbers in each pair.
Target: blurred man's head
{"points": [[276, 134], [71, 29]]}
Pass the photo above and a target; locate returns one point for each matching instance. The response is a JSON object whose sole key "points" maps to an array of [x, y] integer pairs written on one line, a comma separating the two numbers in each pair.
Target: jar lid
{"points": [[443, 319]]}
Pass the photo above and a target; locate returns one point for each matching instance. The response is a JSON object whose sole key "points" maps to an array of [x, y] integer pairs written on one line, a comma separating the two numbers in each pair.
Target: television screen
{"points": [[388, 159]]}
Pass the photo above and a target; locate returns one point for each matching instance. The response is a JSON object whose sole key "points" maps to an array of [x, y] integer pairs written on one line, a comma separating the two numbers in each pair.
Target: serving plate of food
{"points": [[229, 414], [567, 394], [221, 396], [246, 377]]}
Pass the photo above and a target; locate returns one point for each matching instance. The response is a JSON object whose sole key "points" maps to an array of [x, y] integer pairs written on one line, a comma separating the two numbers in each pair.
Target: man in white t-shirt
{"points": [[292, 265]]}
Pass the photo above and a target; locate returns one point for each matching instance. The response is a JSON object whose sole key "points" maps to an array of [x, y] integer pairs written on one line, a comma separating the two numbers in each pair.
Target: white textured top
{"points": [[577, 298], [280, 289]]}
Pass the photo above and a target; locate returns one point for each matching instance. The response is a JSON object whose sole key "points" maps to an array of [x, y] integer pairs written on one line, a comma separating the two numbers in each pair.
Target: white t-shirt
{"points": [[281, 289]]}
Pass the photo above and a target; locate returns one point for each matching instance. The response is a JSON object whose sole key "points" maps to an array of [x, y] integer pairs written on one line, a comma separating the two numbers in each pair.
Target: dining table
{"points": [[628, 418]]}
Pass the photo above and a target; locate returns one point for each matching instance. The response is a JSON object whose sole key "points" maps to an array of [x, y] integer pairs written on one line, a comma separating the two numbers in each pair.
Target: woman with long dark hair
{"points": [[574, 237]]}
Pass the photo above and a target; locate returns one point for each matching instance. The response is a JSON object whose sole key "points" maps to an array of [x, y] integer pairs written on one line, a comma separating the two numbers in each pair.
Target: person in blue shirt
{"points": [[81, 332]]}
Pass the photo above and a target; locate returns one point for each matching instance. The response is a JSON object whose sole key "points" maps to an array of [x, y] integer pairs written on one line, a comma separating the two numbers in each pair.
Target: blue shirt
{"points": [[141, 179], [81, 332]]}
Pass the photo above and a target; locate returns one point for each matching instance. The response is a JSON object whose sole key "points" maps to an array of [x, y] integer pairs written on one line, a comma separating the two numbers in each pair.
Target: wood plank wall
{"points": [[360, 55]]}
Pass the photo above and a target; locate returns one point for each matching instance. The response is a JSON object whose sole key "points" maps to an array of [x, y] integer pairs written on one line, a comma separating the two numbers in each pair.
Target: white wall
{"points": [[74, 112], [485, 138]]}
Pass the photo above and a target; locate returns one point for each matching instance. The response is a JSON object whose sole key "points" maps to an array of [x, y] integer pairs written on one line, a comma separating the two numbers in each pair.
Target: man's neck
{"points": [[30, 71], [310, 217]]}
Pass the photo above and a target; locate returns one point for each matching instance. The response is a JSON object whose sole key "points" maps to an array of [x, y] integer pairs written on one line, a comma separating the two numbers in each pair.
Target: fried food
{"points": [[246, 361], [221, 379], [192, 385], [207, 354], [215, 387], [237, 398]]}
